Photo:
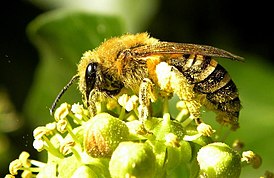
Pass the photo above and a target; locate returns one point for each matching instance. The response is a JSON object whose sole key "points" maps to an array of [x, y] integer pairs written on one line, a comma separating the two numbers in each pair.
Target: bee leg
{"points": [[145, 97], [92, 108], [171, 80], [194, 109], [184, 90], [91, 103]]}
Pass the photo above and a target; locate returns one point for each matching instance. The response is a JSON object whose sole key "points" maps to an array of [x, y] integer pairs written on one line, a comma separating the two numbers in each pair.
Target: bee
{"points": [[152, 68]]}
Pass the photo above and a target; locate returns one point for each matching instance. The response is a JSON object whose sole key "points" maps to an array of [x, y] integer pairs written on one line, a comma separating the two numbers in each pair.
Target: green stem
{"points": [[187, 121], [76, 154], [52, 149], [183, 114], [122, 113], [73, 136], [79, 121], [165, 106]]}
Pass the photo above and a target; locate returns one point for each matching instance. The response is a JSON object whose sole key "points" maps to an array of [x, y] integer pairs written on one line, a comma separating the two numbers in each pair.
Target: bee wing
{"points": [[184, 48]]}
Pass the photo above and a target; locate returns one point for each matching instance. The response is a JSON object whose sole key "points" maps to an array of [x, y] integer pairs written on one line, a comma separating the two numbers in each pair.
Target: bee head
{"points": [[96, 79], [87, 78]]}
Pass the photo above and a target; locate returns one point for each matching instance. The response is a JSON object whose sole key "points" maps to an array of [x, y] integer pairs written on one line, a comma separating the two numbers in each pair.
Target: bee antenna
{"points": [[53, 106]]}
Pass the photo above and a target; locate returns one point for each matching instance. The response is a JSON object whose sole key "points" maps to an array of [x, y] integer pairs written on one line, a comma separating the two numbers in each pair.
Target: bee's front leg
{"points": [[94, 97]]}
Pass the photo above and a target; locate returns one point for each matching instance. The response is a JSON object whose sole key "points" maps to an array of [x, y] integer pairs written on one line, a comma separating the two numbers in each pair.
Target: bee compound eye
{"points": [[90, 77]]}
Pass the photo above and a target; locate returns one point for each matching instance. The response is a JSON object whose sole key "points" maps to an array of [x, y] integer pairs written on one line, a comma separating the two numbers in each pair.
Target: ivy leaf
{"points": [[61, 37]]}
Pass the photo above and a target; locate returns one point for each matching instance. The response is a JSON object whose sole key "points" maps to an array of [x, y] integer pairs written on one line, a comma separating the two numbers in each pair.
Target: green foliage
{"points": [[61, 37]]}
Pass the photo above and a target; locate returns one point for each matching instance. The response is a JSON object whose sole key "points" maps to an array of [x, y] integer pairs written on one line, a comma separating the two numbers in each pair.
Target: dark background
{"points": [[18, 59], [244, 27], [247, 27]]}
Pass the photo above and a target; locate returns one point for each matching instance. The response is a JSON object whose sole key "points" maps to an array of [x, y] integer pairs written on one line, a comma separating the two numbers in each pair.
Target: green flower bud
{"points": [[176, 155], [219, 160], [67, 166], [84, 171], [103, 133], [133, 160], [167, 126]]}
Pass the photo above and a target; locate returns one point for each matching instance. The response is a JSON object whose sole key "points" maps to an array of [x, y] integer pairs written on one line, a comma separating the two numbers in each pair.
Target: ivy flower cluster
{"points": [[115, 143]]}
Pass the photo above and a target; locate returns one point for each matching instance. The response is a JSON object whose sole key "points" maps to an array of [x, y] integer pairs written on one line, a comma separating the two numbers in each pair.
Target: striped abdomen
{"points": [[211, 79]]}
